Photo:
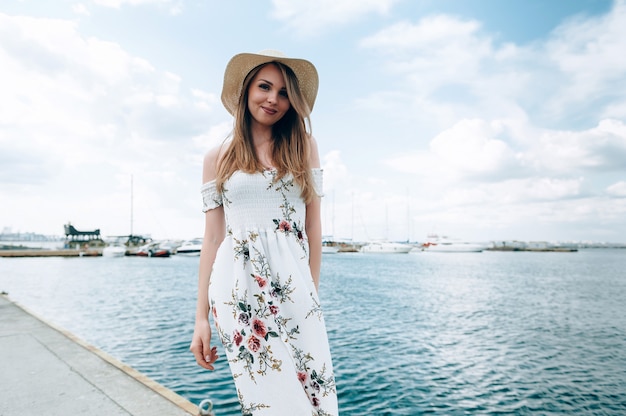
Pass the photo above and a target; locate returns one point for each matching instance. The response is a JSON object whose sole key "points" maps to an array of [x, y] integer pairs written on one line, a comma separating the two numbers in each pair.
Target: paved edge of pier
{"points": [[49, 366]]}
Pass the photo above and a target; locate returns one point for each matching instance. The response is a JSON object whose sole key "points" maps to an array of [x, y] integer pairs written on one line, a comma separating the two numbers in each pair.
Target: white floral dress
{"points": [[263, 299]]}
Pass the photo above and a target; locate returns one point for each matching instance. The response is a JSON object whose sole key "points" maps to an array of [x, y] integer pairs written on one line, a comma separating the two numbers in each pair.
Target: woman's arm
{"points": [[313, 223], [214, 231]]}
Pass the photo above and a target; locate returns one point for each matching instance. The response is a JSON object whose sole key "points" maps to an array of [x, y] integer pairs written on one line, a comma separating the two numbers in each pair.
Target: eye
{"points": [[264, 86], [283, 93]]}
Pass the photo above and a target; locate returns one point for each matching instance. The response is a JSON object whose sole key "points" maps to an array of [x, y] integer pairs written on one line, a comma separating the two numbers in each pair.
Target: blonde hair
{"points": [[291, 139]]}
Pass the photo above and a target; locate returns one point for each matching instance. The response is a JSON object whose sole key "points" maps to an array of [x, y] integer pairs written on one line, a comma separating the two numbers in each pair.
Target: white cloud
{"points": [[306, 17], [336, 174], [589, 54], [434, 51], [450, 65], [77, 113], [490, 174], [549, 189], [473, 147], [432, 34], [450, 68], [216, 135], [602, 148], [477, 149], [617, 189], [205, 100], [174, 6], [80, 9]]}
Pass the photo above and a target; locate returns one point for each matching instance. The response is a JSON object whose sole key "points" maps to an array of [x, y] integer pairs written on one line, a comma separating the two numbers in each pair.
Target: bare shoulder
{"points": [[211, 159], [314, 156]]}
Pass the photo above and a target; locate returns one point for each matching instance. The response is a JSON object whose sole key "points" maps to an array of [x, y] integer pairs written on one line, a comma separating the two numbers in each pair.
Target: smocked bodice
{"points": [[257, 202]]}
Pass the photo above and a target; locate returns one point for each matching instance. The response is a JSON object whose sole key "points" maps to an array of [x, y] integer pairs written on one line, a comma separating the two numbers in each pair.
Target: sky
{"points": [[482, 120]]}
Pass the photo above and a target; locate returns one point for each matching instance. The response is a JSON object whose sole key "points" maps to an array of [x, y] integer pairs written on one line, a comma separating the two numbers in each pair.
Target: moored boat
{"points": [[153, 250], [190, 247], [330, 246], [114, 250], [445, 244], [386, 247]]}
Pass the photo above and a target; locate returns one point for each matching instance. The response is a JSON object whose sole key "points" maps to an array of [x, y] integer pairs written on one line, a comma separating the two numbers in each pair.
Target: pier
{"points": [[49, 371], [51, 253]]}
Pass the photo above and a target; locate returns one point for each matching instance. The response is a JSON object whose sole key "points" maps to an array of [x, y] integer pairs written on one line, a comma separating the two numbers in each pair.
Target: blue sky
{"points": [[478, 119]]}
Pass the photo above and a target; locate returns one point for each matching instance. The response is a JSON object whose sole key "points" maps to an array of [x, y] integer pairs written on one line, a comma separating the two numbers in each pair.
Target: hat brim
{"points": [[241, 64]]}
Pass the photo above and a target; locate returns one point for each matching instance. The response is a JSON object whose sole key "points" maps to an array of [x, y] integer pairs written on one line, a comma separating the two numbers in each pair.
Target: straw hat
{"points": [[241, 65]]}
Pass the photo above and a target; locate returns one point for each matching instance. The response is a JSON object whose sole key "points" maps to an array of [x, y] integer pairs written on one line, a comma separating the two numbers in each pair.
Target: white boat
{"points": [[190, 248], [114, 250], [330, 247], [445, 244], [386, 247]]}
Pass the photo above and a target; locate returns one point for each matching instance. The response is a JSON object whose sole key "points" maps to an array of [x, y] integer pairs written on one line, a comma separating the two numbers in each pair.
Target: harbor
{"points": [[49, 371], [428, 333], [78, 243]]}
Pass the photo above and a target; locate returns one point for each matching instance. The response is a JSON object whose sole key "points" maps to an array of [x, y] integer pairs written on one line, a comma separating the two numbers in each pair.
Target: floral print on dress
{"points": [[241, 249], [264, 304], [286, 224], [316, 384]]}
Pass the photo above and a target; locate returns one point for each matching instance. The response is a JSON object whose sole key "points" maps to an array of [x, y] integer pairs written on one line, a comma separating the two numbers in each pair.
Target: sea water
{"points": [[411, 334]]}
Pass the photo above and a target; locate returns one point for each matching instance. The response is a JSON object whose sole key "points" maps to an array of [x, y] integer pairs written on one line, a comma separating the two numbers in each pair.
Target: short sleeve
{"points": [[318, 181], [211, 199]]}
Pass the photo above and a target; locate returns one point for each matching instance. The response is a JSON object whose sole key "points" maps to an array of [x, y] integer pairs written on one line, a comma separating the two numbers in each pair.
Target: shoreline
{"points": [[31, 252], [534, 250]]}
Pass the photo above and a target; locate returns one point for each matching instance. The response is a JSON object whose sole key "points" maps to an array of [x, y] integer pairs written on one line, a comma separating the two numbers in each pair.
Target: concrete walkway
{"points": [[45, 370]]}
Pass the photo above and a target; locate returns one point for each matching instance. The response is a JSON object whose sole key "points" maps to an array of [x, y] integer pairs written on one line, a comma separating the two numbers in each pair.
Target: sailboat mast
{"points": [[386, 222], [332, 218], [352, 221], [408, 215], [131, 205]]}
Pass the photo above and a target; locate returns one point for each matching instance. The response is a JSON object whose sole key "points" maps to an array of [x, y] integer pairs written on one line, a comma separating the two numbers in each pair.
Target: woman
{"points": [[261, 254]]}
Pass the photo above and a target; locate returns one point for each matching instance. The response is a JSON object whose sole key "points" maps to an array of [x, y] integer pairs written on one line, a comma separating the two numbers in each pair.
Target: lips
{"points": [[269, 111]]}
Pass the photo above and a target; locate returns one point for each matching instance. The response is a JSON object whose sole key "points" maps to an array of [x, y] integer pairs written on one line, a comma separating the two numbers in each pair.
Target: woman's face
{"points": [[267, 96]]}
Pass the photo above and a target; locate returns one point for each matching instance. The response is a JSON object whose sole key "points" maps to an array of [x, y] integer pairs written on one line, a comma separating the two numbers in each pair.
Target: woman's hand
{"points": [[201, 345]]}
